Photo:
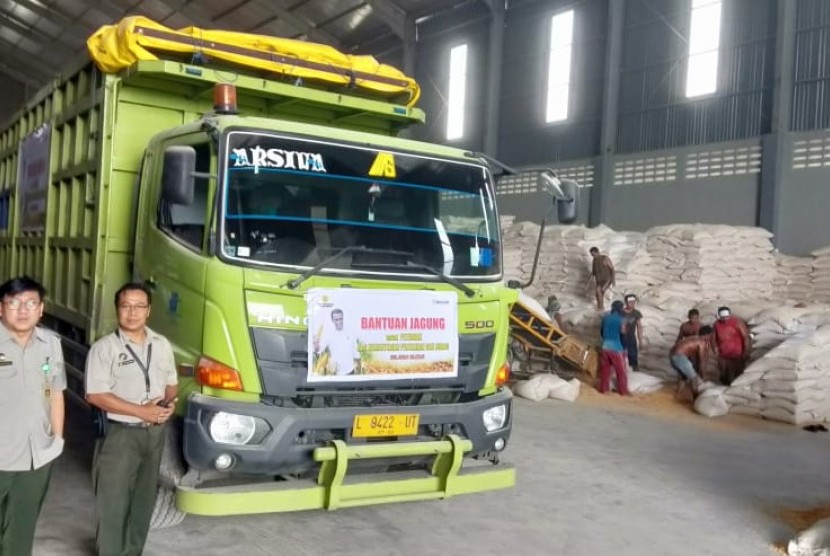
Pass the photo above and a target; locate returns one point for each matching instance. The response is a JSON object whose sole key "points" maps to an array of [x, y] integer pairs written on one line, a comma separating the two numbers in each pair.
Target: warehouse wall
{"points": [[670, 159], [436, 37], [716, 185], [805, 202], [811, 94], [524, 136], [654, 111]]}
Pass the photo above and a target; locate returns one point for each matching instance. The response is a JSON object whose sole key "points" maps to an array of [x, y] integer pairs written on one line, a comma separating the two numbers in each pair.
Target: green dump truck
{"points": [[263, 225]]}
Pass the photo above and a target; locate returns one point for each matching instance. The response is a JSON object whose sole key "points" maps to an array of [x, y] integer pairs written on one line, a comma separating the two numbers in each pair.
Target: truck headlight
{"points": [[230, 428], [495, 417]]}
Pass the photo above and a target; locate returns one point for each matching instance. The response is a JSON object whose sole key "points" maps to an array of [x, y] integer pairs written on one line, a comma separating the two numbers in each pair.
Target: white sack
{"points": [[536, 388], [814, 541], [642, 383], [565, 390], [711, 402]]}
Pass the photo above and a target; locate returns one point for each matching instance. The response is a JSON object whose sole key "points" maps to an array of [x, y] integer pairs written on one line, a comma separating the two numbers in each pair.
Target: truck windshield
{"points": [[294, 202]]}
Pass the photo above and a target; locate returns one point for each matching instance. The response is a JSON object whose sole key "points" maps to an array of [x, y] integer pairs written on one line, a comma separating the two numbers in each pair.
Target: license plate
{"points": [[384, 425]]}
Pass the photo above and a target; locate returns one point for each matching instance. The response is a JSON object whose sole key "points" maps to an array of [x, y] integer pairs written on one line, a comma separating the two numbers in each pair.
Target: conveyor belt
{"points": [[538, 336]]}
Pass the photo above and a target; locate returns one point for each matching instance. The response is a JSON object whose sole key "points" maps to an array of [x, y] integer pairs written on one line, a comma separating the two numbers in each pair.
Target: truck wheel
{"points": [[519, 359], [166, 514], [518, 352], [171, 471]]}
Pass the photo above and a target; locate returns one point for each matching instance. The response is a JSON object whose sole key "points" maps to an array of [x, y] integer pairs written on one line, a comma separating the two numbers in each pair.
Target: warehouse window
{"points": [[704, 40], [457, 92], [559, 66]]}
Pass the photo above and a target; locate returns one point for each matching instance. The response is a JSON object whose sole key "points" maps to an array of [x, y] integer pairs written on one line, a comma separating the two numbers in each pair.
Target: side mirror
{"points": [[568, 204], [551, 184], [177, 179], [565, 194]]}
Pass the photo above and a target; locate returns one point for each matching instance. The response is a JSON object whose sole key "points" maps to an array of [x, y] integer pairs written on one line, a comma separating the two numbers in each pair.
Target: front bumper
{"points": [[293, 433]]}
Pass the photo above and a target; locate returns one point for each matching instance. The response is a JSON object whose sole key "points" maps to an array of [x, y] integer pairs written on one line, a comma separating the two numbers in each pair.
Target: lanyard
{"points": [[145, 367]]}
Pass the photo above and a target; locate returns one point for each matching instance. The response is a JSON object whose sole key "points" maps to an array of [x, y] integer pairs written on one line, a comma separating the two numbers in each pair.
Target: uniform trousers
{"points": [[21, 498], [125, 472]]}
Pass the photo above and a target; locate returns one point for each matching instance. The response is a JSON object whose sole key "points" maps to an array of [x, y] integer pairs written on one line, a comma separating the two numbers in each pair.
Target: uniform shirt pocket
{"points": [[126, 370], [8, 384]]}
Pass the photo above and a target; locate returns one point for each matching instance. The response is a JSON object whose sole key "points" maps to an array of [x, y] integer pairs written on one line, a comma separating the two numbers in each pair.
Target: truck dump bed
{"points": [[95, 126], [66, 212]]}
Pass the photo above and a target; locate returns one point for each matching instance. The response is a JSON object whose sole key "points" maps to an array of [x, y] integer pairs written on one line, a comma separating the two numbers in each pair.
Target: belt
{"points": [[141, 425]]}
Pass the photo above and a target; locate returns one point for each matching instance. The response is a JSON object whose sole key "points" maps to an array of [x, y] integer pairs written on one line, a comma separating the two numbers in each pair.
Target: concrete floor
{"points": [[592, 480]]}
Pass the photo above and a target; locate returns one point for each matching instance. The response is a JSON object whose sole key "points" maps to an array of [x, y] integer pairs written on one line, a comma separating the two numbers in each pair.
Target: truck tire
{"points": [[519, 359], [517, 352], [165, 513], [171, 471]]}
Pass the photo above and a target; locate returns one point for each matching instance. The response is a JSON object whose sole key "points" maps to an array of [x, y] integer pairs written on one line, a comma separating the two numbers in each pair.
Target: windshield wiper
{"points": [[292, 284], [469, 292]]}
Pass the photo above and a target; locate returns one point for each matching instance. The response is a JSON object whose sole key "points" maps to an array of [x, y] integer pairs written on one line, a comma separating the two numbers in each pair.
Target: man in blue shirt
{"points": [[612, 327]]}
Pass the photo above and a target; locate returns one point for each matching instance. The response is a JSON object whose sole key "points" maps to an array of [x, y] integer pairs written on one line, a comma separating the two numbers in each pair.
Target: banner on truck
{"points": [[359, 335], [33, 178]]}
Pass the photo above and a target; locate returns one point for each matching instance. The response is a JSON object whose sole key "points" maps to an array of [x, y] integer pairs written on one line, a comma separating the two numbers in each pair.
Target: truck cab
{"points": [[242, 220]]}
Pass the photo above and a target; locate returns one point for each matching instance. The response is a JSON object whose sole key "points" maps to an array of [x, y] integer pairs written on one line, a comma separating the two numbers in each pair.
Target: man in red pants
{"points": [[613, 326]]}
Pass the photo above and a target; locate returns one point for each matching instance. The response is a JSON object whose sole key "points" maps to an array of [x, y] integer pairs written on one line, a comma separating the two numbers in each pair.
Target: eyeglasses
{"points": [[131, 308], [18, 304]]}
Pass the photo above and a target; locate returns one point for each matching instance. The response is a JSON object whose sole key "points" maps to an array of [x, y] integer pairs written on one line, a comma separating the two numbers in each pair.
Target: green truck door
{"points": [[172, 255]]}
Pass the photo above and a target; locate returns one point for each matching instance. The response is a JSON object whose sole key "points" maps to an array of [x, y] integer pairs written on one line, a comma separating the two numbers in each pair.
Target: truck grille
{"points": [[373, 399], [366, 400]]}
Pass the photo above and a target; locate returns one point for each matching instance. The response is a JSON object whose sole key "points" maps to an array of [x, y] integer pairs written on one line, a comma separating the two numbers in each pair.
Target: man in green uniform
{"points": [[130, 375], [32, 381]]}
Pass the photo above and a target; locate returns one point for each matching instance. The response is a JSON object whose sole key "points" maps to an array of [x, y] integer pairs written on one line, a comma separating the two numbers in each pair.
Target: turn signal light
{"points": [[217, 375], [503, 374]]}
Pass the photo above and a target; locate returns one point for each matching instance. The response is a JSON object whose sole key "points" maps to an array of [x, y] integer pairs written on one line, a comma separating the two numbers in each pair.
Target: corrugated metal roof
{"points": [[38, 37]]}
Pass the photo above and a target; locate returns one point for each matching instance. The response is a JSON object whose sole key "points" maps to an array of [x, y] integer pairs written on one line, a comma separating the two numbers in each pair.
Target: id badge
{"points": [[47, 379]]}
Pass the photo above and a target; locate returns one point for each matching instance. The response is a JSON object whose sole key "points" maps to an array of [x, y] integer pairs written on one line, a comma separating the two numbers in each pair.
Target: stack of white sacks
{"points": [[512, 250], [792, 279], [820, 275], [791, 383], [726, 262], [675, 268], [564, 261], [787, 381]]}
